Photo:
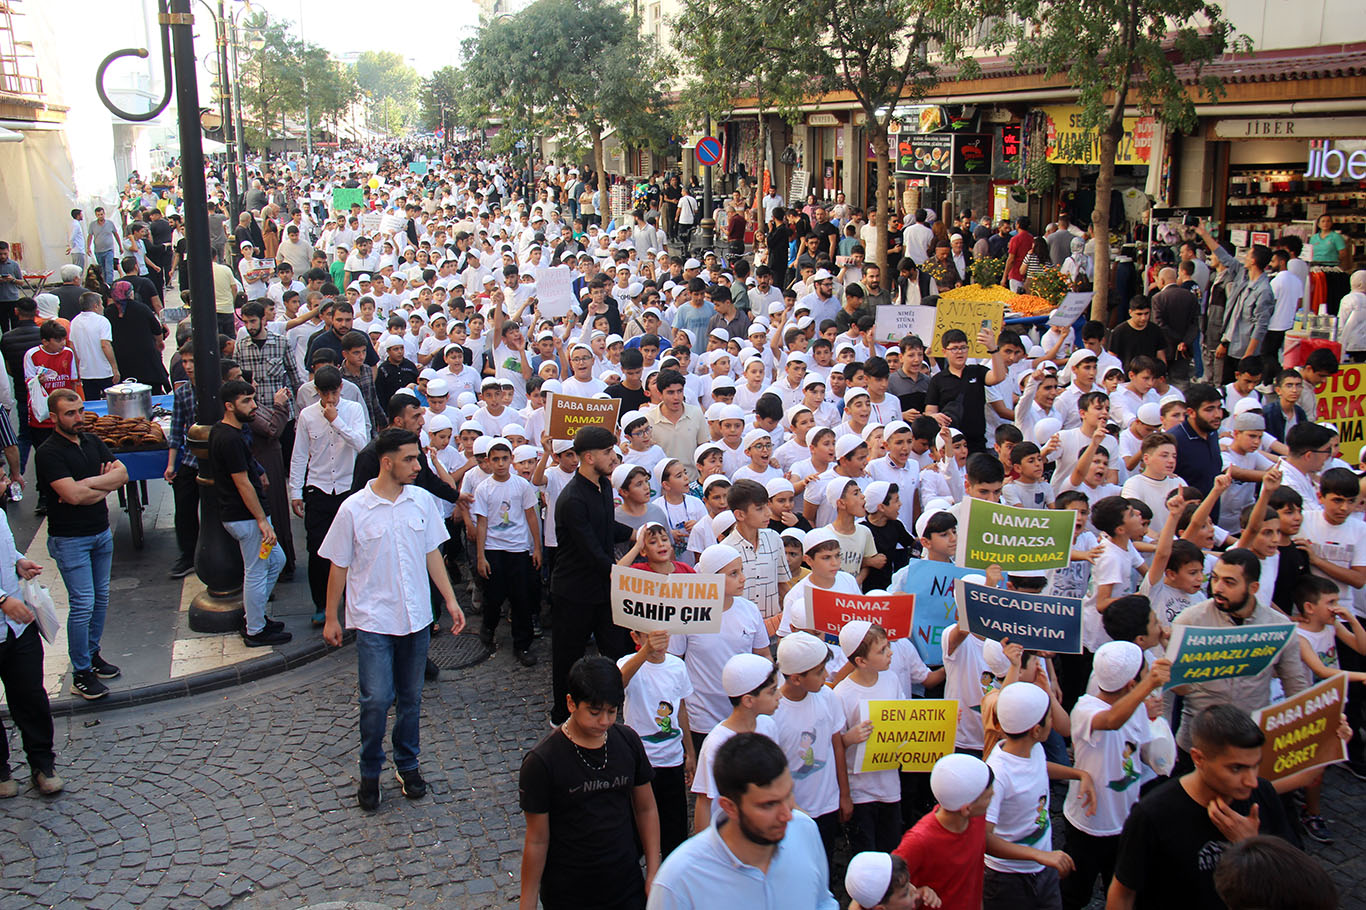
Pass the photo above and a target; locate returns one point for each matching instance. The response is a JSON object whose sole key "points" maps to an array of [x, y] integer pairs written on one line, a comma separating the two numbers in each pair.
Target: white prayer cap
{"points": [[801, 651], [526, 452], [1021, 706], [853, 634], [817, 536], [744, 673], [795, 534], [847, 444], [753, 436], [514, 429], [836, 486], [821, 275], [437, 388], [436, 423], [717, 556], [722, 523], [1116, 664], [932, 508], [620, 474], [1044, 430], [1150, 414], [732, 412], [896, 426], [995, 656], [481, 445], [876, 493], [958, 780], [778, 484], [388, 341], [855, 392], [868, 877]]}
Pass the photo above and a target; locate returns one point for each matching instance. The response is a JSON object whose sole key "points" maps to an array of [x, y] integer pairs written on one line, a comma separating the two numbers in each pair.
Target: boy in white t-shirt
{"points": [[656, 683], [1028, 490], [876, 820], [1245, 463], [858, 551], [750, 681], [1021, 868], [823, 555], [1112, 576], [1108, 729], [1156, 481], [507, 550]]}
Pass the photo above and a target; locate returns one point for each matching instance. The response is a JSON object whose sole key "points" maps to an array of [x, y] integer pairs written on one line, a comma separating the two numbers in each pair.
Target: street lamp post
{"points": [[218, 560], [220, 28], [708, 223], [237, 108]]}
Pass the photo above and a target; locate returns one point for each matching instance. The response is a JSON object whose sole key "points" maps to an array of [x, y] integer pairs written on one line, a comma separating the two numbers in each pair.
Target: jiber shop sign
{"points": [[1328, 163]]}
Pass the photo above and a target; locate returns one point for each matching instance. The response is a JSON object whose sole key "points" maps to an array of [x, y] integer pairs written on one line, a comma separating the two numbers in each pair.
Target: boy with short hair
{"points": [[750, 681], [876, 820], [823, 554], [507, 550], [1118, 523], [1028, 490], [1138, 391], [767, 578], [858, 553], [1156, 481]]}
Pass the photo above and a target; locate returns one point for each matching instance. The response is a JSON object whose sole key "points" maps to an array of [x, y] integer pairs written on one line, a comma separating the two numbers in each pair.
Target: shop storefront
{"points": [[948, 157], [1285, 174]]}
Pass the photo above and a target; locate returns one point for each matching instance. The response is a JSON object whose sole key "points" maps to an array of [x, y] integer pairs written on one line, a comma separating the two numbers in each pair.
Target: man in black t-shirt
{"points": [[585, 791], [1174, 837], [957, 395], [237, 482], [825, 229], [778, 238], [1139, 335], [76, 471]]}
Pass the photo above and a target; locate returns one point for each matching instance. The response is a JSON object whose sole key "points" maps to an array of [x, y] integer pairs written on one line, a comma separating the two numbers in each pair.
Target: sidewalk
{"points": [[147, 633]]}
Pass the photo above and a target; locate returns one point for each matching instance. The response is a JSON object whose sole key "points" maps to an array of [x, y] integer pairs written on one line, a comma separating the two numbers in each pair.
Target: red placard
{"points": [[830, 610]]}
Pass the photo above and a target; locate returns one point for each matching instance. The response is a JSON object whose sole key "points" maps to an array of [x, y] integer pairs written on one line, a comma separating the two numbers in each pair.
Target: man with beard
{"points": [[760, 852], [579, 598], [1198, 456], [1233, 602]]}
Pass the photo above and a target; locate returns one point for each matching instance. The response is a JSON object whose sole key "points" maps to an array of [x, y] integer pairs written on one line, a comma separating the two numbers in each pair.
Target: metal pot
{"points": [[129, 399]]}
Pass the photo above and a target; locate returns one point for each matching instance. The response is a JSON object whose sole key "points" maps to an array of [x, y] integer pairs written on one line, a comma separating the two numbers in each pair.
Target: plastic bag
{"points": [[1159, 753], [39, 600], [37, 398]]}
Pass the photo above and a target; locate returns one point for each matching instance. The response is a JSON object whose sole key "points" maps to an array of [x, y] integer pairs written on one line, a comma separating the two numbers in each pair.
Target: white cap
{"points": [[821, 275], [995, 656], [895, 426], [552, 385], [717, 556], [853, 634], [931, 509], [495, 441], [855, 392], [876, 493], [437, 388], [481, 445], [753, 436], [1044, 430], [801, 651], [835, 487], [560, 446], [732, 412], [793, 411], [722, 382], [720, 333], [778, 484], [631, 417], [388, 341], [958, 780], [744, 673], [846, 444], [692, 264], [706, 447], [812, 379], [1150, 414], [436, 423], [868, 877], [474, 425], [817, 536], [1250, 403], [526, 452], [797, 534], [1116, 664], [1021, 706], [621, 472], [712, 481], [722, 523]]}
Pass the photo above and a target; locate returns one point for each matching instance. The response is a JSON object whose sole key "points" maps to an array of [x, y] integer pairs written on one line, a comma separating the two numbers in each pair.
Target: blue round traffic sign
{"points": [[708, 151]]}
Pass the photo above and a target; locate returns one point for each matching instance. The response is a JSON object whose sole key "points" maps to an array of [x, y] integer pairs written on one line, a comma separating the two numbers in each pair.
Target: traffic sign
{"points": [[708, 151]]}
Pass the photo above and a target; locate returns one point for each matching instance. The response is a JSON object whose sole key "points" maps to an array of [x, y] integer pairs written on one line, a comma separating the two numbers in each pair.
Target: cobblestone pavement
{"points": [[246, 798]]}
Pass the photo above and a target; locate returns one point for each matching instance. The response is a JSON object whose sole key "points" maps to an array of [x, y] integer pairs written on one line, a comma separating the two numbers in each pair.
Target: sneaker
{"points": [[9, 788], [87, 685], [367, 795], [319, 619], [103, 668], [525, 657], [48, 783], [412, 784], [181, 568], [274, 625], [265, 638], [432, 672], [1316, 827]]}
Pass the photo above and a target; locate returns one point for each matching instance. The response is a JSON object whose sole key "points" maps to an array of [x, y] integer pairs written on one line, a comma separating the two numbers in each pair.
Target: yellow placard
{"points": [[908, 735], [1340, 400], [970, 316], [1066, 127]]}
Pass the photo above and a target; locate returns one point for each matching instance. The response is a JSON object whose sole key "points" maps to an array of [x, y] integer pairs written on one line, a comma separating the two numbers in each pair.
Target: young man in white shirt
{"points": [[384, 545], [92, 338]]}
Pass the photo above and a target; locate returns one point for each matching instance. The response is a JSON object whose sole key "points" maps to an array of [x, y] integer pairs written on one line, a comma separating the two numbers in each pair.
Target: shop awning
{"points": [[1283, 65]]}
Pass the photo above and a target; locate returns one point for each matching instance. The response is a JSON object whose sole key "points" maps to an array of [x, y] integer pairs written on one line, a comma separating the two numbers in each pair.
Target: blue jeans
{"points": [[84, 563], [259, 575], [390, 670], [106, 260]]}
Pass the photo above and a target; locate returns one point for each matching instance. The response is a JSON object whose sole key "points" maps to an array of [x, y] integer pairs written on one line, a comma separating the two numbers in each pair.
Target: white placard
{"points": [[555, 290], [1071, 308], [896, 322]]}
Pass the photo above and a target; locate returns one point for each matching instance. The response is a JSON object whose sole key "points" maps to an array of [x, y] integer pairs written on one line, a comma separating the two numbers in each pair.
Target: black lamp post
{"points": [[218, 560]]}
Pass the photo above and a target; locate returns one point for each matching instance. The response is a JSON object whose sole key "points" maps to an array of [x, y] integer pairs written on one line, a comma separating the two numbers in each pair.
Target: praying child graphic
{"points": [[806, 745], [664, 720], [1041, 824], [1131, 773]]}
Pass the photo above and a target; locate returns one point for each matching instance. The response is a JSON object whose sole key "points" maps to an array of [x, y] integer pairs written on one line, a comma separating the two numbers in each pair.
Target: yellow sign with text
{"points": [[908, 735], [1071, 142], [971, 316], [1340, 400]]}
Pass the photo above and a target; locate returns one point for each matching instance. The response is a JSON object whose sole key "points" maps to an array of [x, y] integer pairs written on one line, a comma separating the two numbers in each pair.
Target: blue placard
{"points": [[1037, 622], [1200, 654], [709, 151], [417, 167]]}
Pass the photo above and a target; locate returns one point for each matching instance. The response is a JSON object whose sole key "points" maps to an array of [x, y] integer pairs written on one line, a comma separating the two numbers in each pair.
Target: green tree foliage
{"points": [[390, 87], [1119, 53], [571, 70]]}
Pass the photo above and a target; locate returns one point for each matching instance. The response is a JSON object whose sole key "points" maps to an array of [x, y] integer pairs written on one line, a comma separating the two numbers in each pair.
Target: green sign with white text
{"points": [[1015, 539]]}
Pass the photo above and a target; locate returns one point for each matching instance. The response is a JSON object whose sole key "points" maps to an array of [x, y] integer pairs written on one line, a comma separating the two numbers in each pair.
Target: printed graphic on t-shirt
{"points": [[1131, 771], [1041, 824], [664, 720], [807, 746]]}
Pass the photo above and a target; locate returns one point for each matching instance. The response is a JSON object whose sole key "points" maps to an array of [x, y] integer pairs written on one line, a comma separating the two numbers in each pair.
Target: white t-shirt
{"points": [[504, 504], [869, 786], [742, 631], [88, 329], [1019, 806], [855, 548], [555, 482], [1071, 580], [1111, 758], [1115, 567], [1153, 493], [507, 364], [1342, 545], [967, 678], [1028, 495], [702, 781], [581, 389], [1166, 601], [653, 697], [805, 729], [1242, 493]]}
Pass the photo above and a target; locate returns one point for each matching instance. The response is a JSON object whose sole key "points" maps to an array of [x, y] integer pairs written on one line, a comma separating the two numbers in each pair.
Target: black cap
{"points": [[593, 439]]}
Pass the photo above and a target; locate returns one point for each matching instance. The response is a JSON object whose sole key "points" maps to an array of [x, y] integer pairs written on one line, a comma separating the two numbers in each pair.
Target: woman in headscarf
{"points": [[49, 305], [139, 338], [270, 232], [981, 248], [1078, 267], [1352, 318]]}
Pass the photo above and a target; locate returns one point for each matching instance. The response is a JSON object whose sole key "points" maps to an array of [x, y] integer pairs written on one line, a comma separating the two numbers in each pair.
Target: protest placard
{"points": [[894, 323], [1302, 731], [909, 735], [555, 291], [1037, 622], [830, 610], [392, 224], [417, 167], [1014, 539], [1071, 308], [1200, 654], [343, 197], [971, 316], [1340, 402], [566, 414], [682, 602]]}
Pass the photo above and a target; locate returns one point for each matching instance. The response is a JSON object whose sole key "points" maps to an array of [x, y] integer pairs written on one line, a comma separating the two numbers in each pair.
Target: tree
{"points": [[389, 84], [270, 76], [892, 52], [743, 50], [565, 68], [1115, 52], [440, 97]]}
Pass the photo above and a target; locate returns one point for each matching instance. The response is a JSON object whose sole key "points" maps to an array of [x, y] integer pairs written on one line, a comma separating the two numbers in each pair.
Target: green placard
{"points": [[1014, 539], [1202, 654], [343, 197]]}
